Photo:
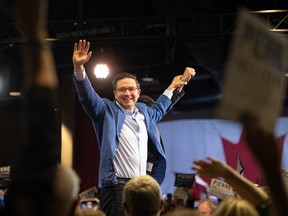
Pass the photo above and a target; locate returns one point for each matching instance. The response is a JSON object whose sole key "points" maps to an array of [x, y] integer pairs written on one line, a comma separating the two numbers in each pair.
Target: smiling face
{"points": [[127, 93]]}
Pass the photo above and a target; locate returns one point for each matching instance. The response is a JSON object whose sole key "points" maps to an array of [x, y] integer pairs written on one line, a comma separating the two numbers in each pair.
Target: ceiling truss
{"points": [[141, 29]]}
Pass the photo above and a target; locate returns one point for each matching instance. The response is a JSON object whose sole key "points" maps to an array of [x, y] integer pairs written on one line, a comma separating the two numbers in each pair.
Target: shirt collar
{"points": [[127, 111]]}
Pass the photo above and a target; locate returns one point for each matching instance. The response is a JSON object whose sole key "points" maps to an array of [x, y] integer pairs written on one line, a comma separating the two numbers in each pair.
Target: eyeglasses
{"points": [[130, 89]]}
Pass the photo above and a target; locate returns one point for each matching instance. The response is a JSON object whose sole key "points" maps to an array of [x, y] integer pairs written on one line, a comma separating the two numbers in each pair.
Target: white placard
{"points": [[220, 189], [5, 172], [255, 73]]}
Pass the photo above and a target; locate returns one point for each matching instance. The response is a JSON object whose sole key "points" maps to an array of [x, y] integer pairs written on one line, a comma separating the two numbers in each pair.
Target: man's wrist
{"points": [[171, 88], [80, 76], [168, 93], [79, 68]]}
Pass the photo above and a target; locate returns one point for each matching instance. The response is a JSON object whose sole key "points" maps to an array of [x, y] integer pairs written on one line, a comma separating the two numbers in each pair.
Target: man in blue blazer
{"points": [[123, 128]]}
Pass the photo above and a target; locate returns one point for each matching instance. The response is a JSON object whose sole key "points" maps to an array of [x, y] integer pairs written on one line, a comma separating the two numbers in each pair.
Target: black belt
{"points": [[123, 180]]}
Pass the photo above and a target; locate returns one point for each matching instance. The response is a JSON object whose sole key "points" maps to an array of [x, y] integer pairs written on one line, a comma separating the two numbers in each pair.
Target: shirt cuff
{"points": [[80, 75], [168, 93]]}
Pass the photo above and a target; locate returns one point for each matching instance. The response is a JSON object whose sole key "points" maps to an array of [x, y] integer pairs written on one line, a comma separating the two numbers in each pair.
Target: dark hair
{"points": [[146, 100], [124, 75]]}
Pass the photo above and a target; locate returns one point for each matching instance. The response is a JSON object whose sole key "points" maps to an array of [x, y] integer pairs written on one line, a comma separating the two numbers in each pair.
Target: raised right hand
{"points": [[81, 55]]}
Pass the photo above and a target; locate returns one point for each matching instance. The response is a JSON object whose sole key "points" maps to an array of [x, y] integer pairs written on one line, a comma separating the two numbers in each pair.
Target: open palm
{"points": [[81, 53]]}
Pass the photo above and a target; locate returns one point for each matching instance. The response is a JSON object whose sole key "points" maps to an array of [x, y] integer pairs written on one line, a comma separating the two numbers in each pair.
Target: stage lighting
{"points": [[101, 71]]}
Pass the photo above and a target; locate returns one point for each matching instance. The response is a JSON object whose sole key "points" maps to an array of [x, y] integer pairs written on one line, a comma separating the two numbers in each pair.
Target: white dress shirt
{"points": [[131, 156]]}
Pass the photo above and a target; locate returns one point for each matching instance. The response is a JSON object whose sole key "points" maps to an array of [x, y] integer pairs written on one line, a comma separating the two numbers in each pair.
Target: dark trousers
{"points": [[111, 200]]}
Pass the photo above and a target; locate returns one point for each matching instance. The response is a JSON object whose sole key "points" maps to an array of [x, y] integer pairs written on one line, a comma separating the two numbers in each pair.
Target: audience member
{"points": [[213, 168], [190, 202], [247, 190], [180, 197], [263, 145], [123, 128], [2, 197], [168, 204], [142, 197], [39, 184], [236, 207], [66, 188], [207, 207], [183, 212]]}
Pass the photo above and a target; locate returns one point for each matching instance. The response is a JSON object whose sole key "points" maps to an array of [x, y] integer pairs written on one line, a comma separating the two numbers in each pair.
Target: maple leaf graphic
{"points": [[236, 153]]}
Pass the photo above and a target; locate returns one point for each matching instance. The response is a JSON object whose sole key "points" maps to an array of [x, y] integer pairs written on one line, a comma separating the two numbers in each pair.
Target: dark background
{"points": [[151, 39]]}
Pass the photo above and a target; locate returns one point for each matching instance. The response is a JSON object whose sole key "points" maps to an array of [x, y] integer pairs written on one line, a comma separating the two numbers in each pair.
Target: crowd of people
{"points": [[130, 145]]}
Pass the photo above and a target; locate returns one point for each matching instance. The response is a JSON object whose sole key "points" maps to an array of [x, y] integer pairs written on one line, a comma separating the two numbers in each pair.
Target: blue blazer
{"points": [[107, 119]]}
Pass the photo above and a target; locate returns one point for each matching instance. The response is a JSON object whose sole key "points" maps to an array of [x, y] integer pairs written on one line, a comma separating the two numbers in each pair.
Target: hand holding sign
{"points": [[216, 169], [254, 80]]}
